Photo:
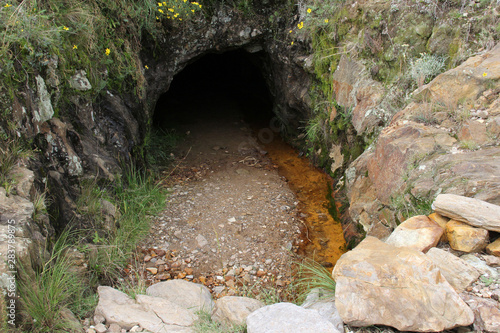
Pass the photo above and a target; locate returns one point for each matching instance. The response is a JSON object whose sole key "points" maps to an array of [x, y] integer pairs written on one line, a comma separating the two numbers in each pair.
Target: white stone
{"points": [[288, 318], [480, 265], [79, 81], [234, 309], [324, 302], [170, 313], [189, 295], [418, 232], [45, 110]]}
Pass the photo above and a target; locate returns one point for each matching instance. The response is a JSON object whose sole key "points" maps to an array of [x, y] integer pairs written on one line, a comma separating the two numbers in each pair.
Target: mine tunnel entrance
{"points": [[222, 107], [217, 87]]}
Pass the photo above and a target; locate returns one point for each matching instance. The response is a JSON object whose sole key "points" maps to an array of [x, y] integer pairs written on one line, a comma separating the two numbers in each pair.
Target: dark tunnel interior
{"points": [[217, 85]]}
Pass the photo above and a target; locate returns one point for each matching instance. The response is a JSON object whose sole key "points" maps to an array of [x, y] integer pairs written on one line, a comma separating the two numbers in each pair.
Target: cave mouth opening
{"points": [[217, 86]]}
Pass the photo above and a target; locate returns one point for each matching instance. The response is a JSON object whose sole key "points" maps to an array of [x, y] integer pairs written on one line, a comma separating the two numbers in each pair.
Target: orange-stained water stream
{"points": [[323, 238]]}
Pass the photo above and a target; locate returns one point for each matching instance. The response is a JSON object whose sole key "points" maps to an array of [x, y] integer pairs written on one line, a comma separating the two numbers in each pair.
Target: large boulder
{"points": [[189, 295], [117, 307], [472, 211], [380, 284], [155, 314], [455, 270], [418, 232], [234, 309], [286, 318]]}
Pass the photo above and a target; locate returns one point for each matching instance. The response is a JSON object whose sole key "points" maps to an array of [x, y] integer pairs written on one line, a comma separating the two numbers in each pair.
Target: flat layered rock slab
{"points": [[117, 307], [380, 284], [472, 211], [288, 318]]}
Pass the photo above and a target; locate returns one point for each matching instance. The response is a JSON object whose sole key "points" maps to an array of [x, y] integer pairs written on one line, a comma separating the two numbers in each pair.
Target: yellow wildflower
{"points": [[160, 10], [65, 28], [108, 51], [160, 4], [290, 31], [192, 10], [171, 10], [75, 47], [146, 66], [485, 74], [164, 3], [157, 18], [300, 25], [309, 10], [7, 5], [291, 43], [326, 21]]}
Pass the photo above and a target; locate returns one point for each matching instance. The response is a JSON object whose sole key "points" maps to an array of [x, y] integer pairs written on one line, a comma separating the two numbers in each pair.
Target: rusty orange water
{"points": [[323, 239]]}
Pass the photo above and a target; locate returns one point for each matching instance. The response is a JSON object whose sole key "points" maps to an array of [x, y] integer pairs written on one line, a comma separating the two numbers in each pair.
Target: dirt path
{"points": [[231, 219]]}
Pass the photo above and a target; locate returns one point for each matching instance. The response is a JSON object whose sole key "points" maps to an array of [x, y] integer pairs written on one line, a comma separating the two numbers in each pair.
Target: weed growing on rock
{"points": [[469, 145], [205, 324], [425, 68]]}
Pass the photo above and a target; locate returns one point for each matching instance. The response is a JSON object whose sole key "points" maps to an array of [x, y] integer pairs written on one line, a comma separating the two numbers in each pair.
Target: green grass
{"points": [[312, 275], [158, 146], [53, 288], [205, 324], [137, 197], [58, 286], [469, 145]]}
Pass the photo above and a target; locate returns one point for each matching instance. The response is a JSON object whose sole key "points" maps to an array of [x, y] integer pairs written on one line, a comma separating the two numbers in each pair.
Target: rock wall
{"points": [[447, 141]]}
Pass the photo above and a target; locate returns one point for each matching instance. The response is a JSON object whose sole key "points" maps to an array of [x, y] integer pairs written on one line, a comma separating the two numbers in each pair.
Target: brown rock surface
{"points": [[465, 238], [353, 89], [487, 314], [379, 284], [494, 248], [465, 81]]}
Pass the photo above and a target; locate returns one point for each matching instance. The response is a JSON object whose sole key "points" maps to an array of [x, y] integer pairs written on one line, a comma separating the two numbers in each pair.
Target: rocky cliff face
{"points": [[444, 142]]}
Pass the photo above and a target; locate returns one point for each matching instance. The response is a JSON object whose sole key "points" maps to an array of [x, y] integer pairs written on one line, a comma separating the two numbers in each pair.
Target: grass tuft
{"points": [[205, 324], [312, 275], [53, 289]]}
